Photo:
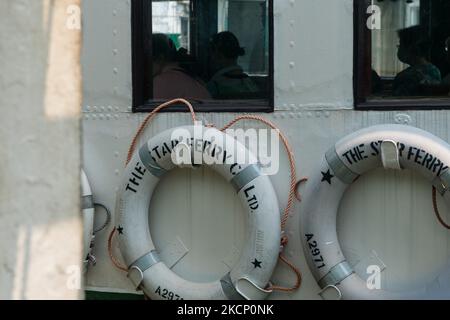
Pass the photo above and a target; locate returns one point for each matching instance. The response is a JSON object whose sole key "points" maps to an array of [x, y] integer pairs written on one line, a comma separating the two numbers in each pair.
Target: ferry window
{"points": [[218, 54], [402, 58]]}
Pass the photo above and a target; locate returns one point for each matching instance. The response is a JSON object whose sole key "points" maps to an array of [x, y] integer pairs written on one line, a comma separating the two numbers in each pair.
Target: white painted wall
{"points": [[40, 101], [313, 54], [390, 214]]}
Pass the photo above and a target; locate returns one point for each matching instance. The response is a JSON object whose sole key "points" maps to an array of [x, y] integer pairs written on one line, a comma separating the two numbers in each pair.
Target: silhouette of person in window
{"points": [[170, 79], [229, 81], [413, 49]]}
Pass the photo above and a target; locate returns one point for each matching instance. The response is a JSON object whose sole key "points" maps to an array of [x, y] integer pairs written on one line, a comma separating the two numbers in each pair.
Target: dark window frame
{"points": [[141, 22], [362, 72]]}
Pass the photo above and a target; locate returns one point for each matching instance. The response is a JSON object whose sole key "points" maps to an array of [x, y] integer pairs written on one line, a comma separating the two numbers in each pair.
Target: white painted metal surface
{"points": [[197, 210]]}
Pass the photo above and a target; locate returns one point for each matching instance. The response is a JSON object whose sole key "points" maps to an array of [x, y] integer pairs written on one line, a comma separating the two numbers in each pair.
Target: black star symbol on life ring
{"points": [[120, 229], [327, 176], [257, 263]]}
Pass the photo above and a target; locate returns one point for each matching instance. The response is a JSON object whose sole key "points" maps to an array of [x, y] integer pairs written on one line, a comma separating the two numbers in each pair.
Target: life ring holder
{"points": [[389, 146], [250, 276], [88, 213]]}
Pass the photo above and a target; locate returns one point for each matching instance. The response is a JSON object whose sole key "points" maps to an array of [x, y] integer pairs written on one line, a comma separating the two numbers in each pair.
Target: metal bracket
{"points": [[330, 287], [149, 163], [442, 183], [87, 202], [390, 155], [250, 173], [258, 294], [91, 259], [137, 268], [336, 274], [339, 168], [136, 276], [229, 289]]}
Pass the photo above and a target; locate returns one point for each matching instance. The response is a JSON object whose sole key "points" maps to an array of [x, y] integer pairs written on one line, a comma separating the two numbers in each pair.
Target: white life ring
{"points": [[250, 276], [87, 207], [351, 157]]}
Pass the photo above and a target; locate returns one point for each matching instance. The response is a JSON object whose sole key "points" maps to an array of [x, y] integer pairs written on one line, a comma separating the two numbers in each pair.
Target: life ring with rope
{"points": [[389, 146], [249, 277]]}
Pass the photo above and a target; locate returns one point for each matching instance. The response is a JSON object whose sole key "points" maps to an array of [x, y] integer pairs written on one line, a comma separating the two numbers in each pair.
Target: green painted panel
{"points": [[97, 295]]}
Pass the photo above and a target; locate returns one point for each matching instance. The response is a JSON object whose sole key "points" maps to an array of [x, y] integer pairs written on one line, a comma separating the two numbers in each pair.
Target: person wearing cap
{"points": [[229, 81], [170, 79]]}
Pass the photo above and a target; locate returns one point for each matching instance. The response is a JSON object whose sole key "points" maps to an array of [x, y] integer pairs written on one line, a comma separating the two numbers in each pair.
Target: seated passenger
{"points": [[170, 80], [229, 81], [413, 50]]}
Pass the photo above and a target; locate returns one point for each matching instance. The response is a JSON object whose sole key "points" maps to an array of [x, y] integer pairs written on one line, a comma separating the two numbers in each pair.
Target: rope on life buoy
{"points": [[297, 193], [292, 186], [292, 194], [116, 263], [436, 210], [150, 117]]}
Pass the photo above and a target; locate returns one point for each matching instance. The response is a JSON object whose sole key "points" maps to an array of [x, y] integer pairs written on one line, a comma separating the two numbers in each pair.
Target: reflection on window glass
{"points": [[409, 56], [172, 19], [236, 16], [206, 49]]}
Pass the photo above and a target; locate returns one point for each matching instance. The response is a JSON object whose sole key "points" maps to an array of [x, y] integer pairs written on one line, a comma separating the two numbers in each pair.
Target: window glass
{"points": [[172, 19], [205, 50], [409, 49], [236, 16]]}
